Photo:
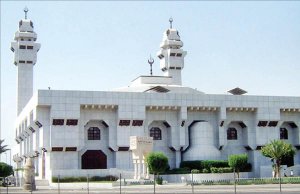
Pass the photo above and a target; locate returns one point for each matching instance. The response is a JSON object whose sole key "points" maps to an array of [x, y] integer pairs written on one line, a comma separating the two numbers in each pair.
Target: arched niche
{"points": [[93, 159]]}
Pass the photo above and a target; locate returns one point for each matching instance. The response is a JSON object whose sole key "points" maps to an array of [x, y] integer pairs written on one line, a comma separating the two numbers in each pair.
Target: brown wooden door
{"points": [[93, 159]]}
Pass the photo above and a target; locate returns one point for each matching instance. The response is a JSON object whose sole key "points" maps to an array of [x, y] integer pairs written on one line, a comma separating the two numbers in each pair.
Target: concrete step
{"points": [[41, 182]]}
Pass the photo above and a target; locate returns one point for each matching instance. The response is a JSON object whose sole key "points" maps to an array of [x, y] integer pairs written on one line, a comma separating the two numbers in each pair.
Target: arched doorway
{"points": [[93, 159]]}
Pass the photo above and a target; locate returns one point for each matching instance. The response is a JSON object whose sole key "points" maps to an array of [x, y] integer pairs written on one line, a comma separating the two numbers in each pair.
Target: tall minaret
{"points": [[171, 55], [25, 52]]}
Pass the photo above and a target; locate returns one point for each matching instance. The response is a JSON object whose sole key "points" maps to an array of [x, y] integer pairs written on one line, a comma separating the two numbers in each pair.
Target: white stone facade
{"points": [[72, 131], [25, 54]]}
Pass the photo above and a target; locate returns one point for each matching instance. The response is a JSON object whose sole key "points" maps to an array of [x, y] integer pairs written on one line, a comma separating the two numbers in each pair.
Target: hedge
{"points": [[221, 170], [204, 165], [83, 179], [191, 164], [178, 171], [195, 171]]}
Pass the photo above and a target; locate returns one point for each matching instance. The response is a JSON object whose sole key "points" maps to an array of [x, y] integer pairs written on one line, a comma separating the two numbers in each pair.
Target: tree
{"points": [[5, 170], [157, 163], [3, 147], [278, 150], [238, 162]]}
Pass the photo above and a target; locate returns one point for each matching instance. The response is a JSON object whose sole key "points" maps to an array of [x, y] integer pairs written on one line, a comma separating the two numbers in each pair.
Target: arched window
{"points": [[231, 134], [283, 133], [155, 132], [93, 133]]}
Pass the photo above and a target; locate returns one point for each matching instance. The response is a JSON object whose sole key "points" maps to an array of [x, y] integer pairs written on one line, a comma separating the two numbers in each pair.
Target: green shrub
{"points": [[238, 162], [157, 162], [178, 171], [5, 170], [83, 179], [226, 170], [204, 164], [195, 171], [221, 170], [214, 163], [106, 178], [205, 171], [191, 164], [214, 170], [159, 180]]}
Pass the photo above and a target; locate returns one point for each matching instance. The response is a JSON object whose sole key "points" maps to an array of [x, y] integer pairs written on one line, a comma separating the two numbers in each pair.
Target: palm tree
{"points": [[277, 150], [3, 147]]}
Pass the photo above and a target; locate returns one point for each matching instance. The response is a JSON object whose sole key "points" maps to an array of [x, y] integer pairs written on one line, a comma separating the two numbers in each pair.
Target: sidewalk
{"points": [[175, 188]]}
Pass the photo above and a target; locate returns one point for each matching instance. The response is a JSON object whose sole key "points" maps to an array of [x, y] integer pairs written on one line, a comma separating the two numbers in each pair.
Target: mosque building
{"points": [[70, 132]]}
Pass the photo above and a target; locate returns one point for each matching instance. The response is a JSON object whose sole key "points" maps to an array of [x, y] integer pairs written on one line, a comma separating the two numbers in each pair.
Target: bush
{"points": [[221, 170], [83, 179], [159, 180], [214, 163], [208, 166], [191, 164], [5, 170], [157, 162], [238, 162], [204, 165], [178, 171], [195, 171], [205, 171], [106, 178]]}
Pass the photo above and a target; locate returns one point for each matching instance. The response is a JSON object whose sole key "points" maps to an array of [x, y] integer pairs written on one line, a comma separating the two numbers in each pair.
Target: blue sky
{"points": [[102, 45]]}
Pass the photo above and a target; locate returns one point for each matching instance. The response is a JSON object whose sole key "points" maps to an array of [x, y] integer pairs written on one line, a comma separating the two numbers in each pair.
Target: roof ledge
{"points": [[165, 80]]}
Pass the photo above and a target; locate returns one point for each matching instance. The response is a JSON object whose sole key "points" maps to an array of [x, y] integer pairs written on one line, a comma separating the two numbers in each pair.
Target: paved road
{"points": [[170, 189]]}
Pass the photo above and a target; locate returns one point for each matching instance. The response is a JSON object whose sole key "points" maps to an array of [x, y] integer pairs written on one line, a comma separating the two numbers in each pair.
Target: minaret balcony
{"points": [[31, 35], [171, 43]]}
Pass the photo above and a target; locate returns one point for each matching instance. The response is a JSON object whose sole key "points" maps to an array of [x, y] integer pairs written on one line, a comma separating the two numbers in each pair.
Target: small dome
{"points": [[171, 39], [171, 34], [25, 25]]}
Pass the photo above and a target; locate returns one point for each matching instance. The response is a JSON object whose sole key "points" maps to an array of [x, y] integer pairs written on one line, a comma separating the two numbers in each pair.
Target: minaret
{"points": [[171, 55], [25, 53]]}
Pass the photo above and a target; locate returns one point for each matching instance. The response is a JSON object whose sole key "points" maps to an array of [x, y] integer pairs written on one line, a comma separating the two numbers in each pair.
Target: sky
{"points": [[101, 45]]}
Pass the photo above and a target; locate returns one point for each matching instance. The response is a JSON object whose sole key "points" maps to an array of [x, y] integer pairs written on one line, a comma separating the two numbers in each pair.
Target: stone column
{"points": [[147, 172], [144, 169], [135, 169], [29, 175], [178, 158], [139, 170]]}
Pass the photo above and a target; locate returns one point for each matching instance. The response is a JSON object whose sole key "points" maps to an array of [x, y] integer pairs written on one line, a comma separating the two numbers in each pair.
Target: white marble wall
{"points": [[153, 108]]}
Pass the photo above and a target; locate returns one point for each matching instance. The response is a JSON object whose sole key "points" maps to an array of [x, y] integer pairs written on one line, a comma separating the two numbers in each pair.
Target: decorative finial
{"points": [[25, 11], [171, 20], [150, 61]]}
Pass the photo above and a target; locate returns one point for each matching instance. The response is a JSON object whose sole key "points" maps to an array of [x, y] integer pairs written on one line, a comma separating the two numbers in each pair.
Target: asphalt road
{"points": [[171, 189]]}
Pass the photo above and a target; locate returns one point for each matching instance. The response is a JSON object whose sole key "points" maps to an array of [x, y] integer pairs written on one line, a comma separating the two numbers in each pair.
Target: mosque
{"points": [[73, 132]]}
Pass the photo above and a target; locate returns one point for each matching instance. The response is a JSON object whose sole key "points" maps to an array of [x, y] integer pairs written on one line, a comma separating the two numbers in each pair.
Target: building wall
{"points": [[180, 111]]}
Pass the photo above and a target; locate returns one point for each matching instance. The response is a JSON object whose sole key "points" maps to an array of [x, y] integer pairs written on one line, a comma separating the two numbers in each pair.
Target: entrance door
{"points": [[93, 159]]}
